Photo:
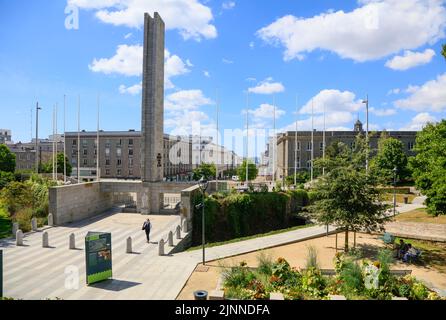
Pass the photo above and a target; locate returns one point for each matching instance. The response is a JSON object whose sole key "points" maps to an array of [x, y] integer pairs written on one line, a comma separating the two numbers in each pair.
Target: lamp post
{"points": [[394, 190], [203, 184]]}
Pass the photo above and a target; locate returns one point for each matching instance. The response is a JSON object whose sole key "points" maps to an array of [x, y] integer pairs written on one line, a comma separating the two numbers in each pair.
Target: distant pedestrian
{"points": [[146, 227]]}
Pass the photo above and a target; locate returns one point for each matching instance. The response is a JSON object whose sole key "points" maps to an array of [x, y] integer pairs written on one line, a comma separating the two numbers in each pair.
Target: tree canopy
{"points": [[48, 166], [7, 159], [206, 170], [252, 171], [390, 155], [443, 52], [429, 166], [348, 198]]}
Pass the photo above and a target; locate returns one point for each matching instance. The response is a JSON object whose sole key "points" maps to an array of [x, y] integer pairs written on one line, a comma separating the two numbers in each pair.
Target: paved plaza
{"points": [[33, 272]]}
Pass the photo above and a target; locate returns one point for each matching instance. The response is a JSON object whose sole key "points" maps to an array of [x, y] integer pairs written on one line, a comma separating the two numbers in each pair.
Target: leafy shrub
{"points": [[265, 264], [311, 259], [314, 283], [352, 279], [23, 217]]}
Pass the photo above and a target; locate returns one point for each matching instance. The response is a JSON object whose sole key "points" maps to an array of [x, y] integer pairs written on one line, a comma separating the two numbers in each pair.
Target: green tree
{"points": [[7, 159], [5, 178], [443, 51], [390, 155], [429, 166], [208, 170], [301, 177], [48, 166], [252, 171], [348, 198]]}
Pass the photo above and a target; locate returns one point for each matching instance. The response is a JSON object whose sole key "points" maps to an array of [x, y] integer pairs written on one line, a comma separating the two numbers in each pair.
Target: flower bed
{"points": [[356, 279]]}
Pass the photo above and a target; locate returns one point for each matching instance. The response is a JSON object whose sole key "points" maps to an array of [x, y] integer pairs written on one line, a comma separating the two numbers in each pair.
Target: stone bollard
{"points": [[72, 242], [185, 229], [178, 232], [19, 238], [34, 224], [161, 248], [45, 240], [15, 227], [129, 245], [170, 239], [50, 220]]}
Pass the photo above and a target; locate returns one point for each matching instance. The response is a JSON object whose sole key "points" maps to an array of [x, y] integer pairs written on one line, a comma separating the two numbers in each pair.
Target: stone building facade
{"points": [[287, 152]]}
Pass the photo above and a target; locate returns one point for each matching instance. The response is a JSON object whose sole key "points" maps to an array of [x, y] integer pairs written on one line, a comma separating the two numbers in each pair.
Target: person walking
{"points": [[146, 227]]}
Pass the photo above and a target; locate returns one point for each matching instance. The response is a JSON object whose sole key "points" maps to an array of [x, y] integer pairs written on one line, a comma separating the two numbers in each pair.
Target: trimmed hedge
{"points": [[399, 190], [240, 215]]}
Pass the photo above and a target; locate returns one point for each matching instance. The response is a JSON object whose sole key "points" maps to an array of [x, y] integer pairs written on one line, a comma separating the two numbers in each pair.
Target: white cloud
{"points": [[186, 100], [252, 45], [251, 79], [227, 61], [410, 59], [333, 101], [228, 5], [382, 112], [189, 64], [394, 91], [206, 74], [431, 96], [418, 122], [267, 87], [334, 121], [128, 35], [133, 90], [128, 61], [190, 17], [262, 116], [376, 29]]}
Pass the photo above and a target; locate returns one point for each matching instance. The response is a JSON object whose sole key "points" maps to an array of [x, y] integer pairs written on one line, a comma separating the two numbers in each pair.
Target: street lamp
{"points": [[394, 190], [203, 184]]}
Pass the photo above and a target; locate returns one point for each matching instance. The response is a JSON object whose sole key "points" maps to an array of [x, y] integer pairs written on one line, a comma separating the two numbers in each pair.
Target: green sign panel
{"points": [[1, 273], [98, 256]]}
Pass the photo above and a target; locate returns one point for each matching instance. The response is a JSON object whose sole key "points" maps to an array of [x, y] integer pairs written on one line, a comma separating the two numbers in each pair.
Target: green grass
{"points": [[433, 253], [216, 244], [420, 215], [5, 224]]}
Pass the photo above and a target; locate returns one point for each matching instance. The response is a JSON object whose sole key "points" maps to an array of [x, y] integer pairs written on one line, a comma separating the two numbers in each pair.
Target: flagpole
{"points": [[79, 139], [295, 146], [98, 176], [64, 141], [247, 138], [312, 139], [56, 144], [52, 142], [323, 145], [218, 149], [274, 141]]}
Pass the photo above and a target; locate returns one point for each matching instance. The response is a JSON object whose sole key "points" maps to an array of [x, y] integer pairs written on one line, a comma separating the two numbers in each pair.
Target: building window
{"points": [[85, 152], [73, 161], [130, 162], [85, 162], [118, 152], [309, 164], [107, 162], [119, 162], [84, 142], [119, 142], [309, 146], [130, 172], [130, 152], [107, 152], [74, 142], [410, 146], [321, 146], [298, 146], [107, 143], [118, 172], [107, 172], [95, 152], [130, 142], [352, 145]]}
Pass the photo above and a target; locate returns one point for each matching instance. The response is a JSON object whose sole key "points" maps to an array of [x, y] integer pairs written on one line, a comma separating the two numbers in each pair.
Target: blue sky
{"points": [[330, 52]]}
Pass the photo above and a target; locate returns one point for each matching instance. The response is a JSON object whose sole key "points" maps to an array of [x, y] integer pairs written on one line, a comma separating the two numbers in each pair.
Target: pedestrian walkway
{"points": [[33, 272]]}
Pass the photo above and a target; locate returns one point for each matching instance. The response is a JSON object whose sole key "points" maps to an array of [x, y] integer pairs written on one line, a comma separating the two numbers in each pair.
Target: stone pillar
{"points": [[34, 224], [185, 226], [15, 227], [178, 232], [152, 124], [45, 240], [50, 220], [170, 239], [129, 245], [161, 248], [19, 238], [72, 242]]}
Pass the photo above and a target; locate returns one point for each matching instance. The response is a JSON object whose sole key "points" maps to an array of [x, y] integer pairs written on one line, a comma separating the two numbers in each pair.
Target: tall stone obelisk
{"points": [[152, 126]]}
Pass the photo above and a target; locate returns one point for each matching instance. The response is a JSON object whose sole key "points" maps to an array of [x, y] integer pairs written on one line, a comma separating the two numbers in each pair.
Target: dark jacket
{"points": [[146, 226]]}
